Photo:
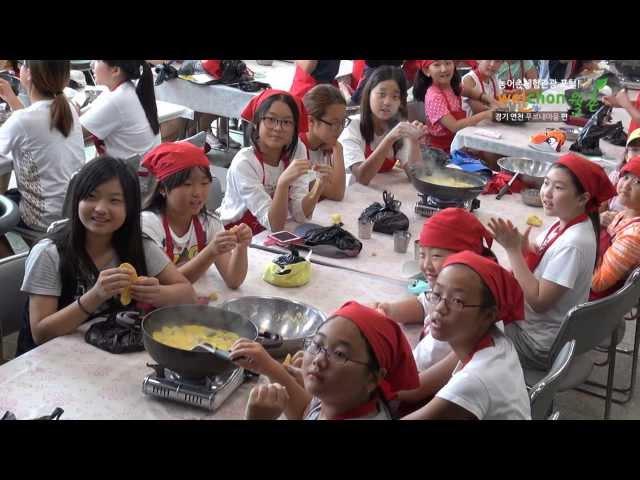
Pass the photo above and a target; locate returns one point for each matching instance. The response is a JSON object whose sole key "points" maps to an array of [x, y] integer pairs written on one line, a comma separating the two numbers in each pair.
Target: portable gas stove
{"points": [[428, 205], [208, 393]]}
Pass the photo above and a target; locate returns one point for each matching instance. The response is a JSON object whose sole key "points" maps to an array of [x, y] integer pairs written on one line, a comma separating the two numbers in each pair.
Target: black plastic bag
{"points": [[588, 143], [284, 260], [165, 72], [347, 245], [121, 332], [386, 218], [55, 415]]}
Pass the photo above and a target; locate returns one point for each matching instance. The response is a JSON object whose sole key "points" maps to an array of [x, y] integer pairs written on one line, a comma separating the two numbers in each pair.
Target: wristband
{"points": [[82, 308]]}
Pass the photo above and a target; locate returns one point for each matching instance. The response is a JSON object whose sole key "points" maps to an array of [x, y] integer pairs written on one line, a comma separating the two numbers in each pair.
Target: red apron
{"points": [[248, 218], [604, 243], [493, 84], [533, 258], [359, 411], [201, 237], [388, 163], [357, 72], [443, 142], [633, 125], [302, 83]]}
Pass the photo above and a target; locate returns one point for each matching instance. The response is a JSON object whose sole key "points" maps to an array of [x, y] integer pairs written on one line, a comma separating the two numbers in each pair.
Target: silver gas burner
{"points": [[427, 205], [208, 393]]}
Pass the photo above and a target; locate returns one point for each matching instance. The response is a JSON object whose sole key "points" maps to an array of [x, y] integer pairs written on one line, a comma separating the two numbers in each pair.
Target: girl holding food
{"points": [[379, 137], [555, 270], [178, 220], [76, 273], [269, 179], [354, 364]]}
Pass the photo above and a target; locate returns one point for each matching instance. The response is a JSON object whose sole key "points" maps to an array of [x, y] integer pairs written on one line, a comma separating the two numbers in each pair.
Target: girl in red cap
{"points": [[620, 242], [555, 272], [441, 236], [326, 107], [356, 362], [124, 120], [379, 136], [269, 180], [438, 85], [470, 295], [178, 219]]}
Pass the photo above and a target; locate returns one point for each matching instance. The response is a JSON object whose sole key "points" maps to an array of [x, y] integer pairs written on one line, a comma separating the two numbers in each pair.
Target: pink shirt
{"points": [[436, 107]]}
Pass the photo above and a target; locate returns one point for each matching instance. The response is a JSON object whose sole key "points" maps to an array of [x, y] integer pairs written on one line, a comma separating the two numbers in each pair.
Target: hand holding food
{"points": [[243, 234], [111, 282], [146, 290], [295, 170], [224, 242], [607, 217], [252, 356], [266, 402], [125, 297]]}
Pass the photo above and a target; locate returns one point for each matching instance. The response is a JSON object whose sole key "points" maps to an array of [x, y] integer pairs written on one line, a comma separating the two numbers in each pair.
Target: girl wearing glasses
{"points": [[379, 137], [469, 296], [555, 272], [269, 179], [326, 107], [352, 366], [440, 237]]}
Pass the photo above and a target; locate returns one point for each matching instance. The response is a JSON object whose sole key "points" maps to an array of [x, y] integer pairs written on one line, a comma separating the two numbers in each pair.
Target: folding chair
{"points": [[543, 393], [12, 300]]}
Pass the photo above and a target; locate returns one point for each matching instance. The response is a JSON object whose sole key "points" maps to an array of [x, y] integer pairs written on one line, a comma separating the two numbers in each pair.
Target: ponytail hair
{"points": [[140, 69], [49, 77]]}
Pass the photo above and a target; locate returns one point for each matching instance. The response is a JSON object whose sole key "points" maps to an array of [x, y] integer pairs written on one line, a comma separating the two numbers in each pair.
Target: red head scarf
{"points": [[632, 166], [173, 157], [502, 284], [250, 110], [455, 229], [592, 178], [212, 67], [389, 345], [425, 63]]}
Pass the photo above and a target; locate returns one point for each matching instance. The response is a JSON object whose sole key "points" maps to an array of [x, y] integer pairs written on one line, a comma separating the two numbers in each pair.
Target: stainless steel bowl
{"points": [[292, 320], [531, 197], [532, 172]]}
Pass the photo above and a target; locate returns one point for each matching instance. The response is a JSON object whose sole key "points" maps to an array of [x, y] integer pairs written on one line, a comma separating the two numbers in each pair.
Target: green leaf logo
{"points": [[600, 84]]}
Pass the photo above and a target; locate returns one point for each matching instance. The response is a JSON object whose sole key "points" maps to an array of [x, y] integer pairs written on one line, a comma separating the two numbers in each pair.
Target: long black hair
{"points": [[70, 239], [421, 84], [262, 111], [140, 69], [159, 202], [379, 75], [594, 216]]}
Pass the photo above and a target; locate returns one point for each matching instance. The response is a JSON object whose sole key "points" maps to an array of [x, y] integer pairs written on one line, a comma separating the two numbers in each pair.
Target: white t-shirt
{"points": [[490, 88], [246, 190], [186, 246], [569, 262], [117, 117], [354, 145], [43, 160], [491, 385], [429, 351]]}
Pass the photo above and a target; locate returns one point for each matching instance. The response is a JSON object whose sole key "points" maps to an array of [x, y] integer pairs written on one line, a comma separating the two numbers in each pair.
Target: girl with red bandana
{"points": [[470, 295], [178, 220], [269, 180], [555, 271], [356, 362]]}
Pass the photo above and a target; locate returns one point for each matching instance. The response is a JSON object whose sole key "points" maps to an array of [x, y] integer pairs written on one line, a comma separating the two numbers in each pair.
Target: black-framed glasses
{"points": [[272, 122], [337, 125], [313, 347], [453, 304]]}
